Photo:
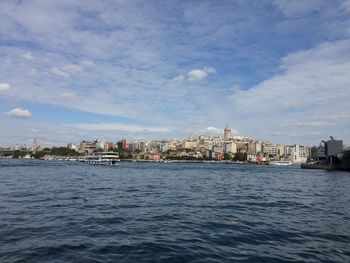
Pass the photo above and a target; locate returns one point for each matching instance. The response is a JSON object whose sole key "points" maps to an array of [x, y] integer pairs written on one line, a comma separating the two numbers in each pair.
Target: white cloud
{"points": [[19, 113], [217, 131], [121, 57], [72, 68], [298, 8], [28, 56], [68, 95], [179, 78], [321, 121], [214, 130], [59, 72], [33, 73], [86, 63], [199, 74], [67, 70], [346, 5], [4, 87], [121, 127], [209, 70], [312, 91], [311, 79]]}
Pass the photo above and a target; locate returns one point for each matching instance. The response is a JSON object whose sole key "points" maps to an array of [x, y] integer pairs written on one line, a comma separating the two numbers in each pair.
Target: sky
{"points": [[73, 70]]}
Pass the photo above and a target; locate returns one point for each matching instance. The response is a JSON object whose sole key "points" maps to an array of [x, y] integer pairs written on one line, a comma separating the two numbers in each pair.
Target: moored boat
{"points": [[107, 158], [280, 163]]}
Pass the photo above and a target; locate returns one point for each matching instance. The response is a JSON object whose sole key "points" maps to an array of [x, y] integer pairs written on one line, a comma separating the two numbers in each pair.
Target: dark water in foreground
{"points": [[148, 212]]}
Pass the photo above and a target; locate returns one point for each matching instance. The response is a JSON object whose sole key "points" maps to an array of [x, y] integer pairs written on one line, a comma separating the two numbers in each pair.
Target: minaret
{"points": [[35, 145], [227, 133]]}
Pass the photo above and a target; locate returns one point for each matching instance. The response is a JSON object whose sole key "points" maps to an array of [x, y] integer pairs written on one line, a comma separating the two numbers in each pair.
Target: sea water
{"points": [[57, 211]]}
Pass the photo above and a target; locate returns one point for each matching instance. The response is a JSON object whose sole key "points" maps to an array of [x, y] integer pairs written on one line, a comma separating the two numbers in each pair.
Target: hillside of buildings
{"points": [[219, 148]]}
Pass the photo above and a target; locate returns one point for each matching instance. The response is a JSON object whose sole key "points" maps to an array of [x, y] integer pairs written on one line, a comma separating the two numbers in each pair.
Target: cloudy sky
{"points": [[273, 69]]}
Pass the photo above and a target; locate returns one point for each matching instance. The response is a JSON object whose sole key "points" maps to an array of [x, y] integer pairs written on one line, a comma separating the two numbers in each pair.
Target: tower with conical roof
{"points": [[227, 133]]}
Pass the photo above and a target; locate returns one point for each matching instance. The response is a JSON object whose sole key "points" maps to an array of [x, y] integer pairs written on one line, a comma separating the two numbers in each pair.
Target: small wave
{"points": [[100, 188], [104, 220], [60, 253]]}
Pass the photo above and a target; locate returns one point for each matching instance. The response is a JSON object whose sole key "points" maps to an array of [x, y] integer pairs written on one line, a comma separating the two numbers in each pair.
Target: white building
{"points": [[231, 147], [297, 153], [270, 149], [73, 146], [188, 144], [100, 144]]}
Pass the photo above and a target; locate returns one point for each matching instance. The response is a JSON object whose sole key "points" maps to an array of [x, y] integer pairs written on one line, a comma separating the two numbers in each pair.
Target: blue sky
{"points": [[277, 70]]}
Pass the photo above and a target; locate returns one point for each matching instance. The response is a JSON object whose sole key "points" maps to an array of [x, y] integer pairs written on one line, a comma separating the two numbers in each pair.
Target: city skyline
{"points": [[273, 70]]}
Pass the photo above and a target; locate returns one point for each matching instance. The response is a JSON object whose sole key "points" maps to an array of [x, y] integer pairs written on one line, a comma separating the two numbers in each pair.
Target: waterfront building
{"points": [[87, 147], [152, 147], [189, 144], [173, 145], [258, 146], [281, 149], [72, 146], [109, 146], [270, 150], [216, 140], [242, 147], [123, 144], [297, 154], [208, 153], [100, 144], [217, 148], [253, 148], [208, 144], [198, 155], [219, 156], [164, 146], [154, 156], [133, 146], [230, 147], [142, 145], [203, 137]]}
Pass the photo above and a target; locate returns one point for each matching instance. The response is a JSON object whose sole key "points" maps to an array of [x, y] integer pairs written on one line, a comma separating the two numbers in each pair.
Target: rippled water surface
{"points": [[171, 212]]}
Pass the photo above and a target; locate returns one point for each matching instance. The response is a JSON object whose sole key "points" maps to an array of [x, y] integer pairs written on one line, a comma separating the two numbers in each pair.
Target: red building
{"points": [[154, 156], [123, 144], [220, 156], [110, 146]]}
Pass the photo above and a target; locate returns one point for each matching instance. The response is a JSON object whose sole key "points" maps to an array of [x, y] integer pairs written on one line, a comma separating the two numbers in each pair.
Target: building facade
{"points": [[297, 154]]}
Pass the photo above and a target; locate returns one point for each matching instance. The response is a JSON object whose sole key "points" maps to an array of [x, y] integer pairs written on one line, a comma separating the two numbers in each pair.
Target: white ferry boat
{"points": [[109, 158], [280, 163]]}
